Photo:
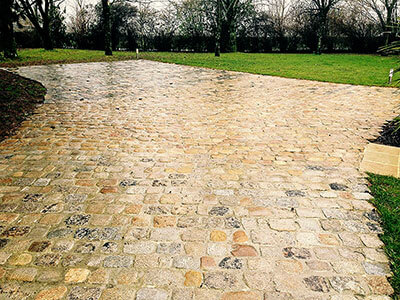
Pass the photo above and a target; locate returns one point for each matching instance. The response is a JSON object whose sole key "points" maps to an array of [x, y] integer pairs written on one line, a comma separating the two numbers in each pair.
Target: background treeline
{"points": [[358, 26]]}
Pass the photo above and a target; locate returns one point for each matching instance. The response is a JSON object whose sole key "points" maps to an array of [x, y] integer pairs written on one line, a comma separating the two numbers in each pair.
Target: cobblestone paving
{"points": [[141, 180]]}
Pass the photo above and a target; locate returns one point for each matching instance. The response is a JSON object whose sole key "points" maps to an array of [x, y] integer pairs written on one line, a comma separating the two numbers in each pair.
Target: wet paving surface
{"points": [[142, 180]]}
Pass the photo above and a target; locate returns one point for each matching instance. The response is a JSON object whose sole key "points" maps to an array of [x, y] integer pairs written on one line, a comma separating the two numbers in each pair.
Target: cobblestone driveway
{"points": [[141, 180]]}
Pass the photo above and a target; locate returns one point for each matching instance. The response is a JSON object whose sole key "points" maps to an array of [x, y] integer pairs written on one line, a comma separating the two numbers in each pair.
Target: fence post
{"points": [[137, 53]]}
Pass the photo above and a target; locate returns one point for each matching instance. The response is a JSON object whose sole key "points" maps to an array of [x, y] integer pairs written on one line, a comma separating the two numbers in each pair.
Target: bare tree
{"points": [[385, 12], [232, 12], [322, 9], [225, 17], [279, 12], [80, 22], [358, 29], [167, 26], [145, 24], [39, 14], [193, 21]]}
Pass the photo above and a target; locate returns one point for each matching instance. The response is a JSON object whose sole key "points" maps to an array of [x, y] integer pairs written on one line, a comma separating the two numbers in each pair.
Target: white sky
{"points": [[157, 4], [70, 4]]}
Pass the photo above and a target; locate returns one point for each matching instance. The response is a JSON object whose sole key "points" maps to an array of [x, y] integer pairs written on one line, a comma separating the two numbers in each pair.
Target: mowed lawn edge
{"points": [[356, 69], [386, 193], [31, 57]]}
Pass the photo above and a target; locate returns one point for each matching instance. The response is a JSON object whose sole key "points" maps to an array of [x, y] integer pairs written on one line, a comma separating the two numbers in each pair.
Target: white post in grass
{"points": [[391, 76], [137, 53]]}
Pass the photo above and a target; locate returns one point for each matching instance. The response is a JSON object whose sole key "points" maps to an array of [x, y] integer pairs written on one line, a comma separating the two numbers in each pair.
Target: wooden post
{"points": [[137, 53], [391, 76]]}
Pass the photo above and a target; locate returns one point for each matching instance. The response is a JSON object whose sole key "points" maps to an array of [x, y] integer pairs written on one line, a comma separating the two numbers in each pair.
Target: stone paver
{"points": [[381, 159], [142, 180]]}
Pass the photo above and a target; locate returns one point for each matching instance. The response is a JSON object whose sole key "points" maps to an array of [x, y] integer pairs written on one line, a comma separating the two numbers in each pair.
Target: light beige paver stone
{"points": [[22, 274], [164, 221], [151, 293], [118, 293], [242, 296], [380, 285], [76, 275], [52, 293], [100, 276]]}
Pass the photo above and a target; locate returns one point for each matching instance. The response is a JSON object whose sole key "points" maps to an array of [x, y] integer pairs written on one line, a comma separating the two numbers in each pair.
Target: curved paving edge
{"points": [[142, 180]]}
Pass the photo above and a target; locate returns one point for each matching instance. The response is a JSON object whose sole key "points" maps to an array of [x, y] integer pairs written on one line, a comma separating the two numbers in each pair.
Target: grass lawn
{"points": [[386, 192], [339, 68], [62, 56]]}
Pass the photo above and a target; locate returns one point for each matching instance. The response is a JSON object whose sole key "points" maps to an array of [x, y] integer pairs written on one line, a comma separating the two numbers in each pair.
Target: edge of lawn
{"points": [[167, 61], [386, 193], [126, 56], [272, 75], [17, 64]]}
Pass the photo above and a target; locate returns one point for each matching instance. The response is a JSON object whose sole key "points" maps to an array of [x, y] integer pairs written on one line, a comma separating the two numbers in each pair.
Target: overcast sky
{"points": [[157, 4], [70, 4]]}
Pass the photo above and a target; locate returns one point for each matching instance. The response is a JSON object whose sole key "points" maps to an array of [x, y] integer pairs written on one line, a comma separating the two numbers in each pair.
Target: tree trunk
{"points": [[107, 28], [319, 45], [232, 37], [389, 26], [218, 30], [228, 37], [9, 46], [321, 34], [46, 36], [217, 47], [387, 38], [283, 42]]}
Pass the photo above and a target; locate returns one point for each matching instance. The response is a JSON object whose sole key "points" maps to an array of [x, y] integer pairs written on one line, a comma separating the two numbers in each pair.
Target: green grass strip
{"points": [[386, 192]]}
